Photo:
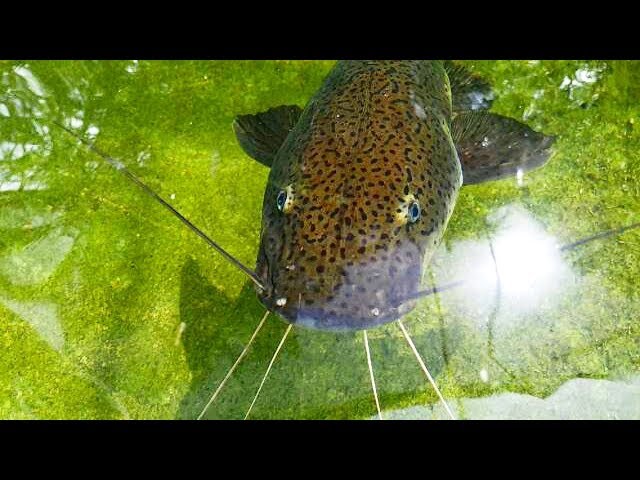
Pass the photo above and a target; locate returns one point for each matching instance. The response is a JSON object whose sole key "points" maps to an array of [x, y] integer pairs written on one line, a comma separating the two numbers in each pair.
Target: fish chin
{"points": [[368, 293], [349, 307], [320, 320]]}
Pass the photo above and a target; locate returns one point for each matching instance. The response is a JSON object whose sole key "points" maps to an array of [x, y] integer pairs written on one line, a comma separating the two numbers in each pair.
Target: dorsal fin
{"points": [[261, 135], [468, 90]]}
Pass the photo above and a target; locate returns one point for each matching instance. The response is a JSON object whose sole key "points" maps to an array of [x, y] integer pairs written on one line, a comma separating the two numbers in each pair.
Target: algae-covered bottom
{"points": [[110, 308]]}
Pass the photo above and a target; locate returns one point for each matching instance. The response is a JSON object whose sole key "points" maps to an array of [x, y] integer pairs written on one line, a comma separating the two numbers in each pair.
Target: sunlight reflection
{"points": [[143, 156], [36, 262], [75, 122], [42, 316], [22, 181], [18, 105], [521, 264], [32, 83], [582, 77], [92, 132], [133, 67], [15, 151], [76, 95]]}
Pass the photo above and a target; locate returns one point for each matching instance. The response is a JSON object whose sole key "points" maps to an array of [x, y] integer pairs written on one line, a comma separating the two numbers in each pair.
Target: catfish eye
{"points": [[413, 213], [281, 200]]}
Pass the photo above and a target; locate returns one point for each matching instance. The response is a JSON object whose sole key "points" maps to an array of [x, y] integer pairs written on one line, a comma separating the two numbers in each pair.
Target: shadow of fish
{"points": [[363, 182]]}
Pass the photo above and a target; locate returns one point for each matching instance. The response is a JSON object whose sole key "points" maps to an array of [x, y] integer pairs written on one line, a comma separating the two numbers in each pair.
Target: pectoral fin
{"points": [[468, 90], [261, 135], [491, 146]]}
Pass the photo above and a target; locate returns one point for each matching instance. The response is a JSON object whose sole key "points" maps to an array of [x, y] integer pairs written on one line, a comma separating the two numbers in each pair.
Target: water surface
{"points": [[110, 308]]}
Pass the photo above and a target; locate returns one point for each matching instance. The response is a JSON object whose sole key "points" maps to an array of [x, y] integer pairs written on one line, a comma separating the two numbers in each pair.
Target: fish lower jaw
{"points": [[317, 320]]}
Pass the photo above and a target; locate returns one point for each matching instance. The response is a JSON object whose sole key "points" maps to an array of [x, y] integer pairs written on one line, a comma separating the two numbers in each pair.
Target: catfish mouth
{"points": [[328, 319], [319, 319], [367, 296], [359, 292]]}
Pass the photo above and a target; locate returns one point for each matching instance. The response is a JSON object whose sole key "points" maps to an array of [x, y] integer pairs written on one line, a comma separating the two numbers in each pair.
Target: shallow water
{"points": [[110, 308]]}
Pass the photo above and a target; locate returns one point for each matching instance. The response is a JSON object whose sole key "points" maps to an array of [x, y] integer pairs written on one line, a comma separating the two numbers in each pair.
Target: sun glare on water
{"points": [[520, 264]]}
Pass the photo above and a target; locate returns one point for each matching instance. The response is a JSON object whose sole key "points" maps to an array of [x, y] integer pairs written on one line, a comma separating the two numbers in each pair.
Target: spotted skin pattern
{"points": [[342, 253]]}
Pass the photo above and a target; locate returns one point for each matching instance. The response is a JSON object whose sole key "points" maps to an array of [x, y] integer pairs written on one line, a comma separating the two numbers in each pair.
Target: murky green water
{"points": [[110, 308]]}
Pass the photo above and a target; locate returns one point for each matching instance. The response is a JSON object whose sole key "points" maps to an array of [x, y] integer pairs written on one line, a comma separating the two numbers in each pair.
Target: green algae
{"points": [[110, 308]]}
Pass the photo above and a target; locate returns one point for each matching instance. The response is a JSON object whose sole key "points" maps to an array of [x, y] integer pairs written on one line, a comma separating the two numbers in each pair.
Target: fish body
{"points": [[363, 182]]}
